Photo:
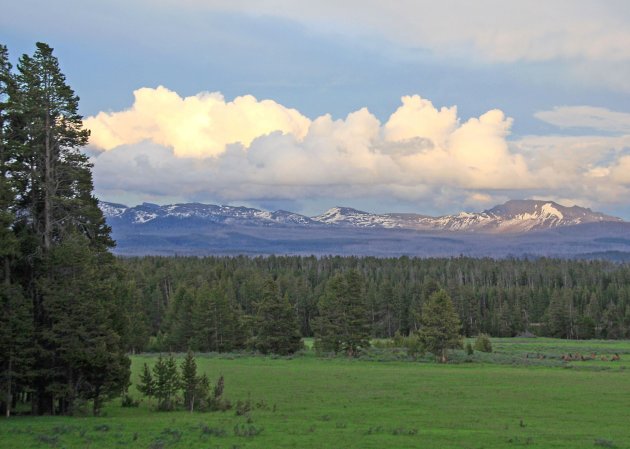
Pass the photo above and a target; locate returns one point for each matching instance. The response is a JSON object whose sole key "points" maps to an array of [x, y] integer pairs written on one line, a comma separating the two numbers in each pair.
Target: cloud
{"points": [[494, 29], [204, 148], [198, 126], [267, 146], [597, 118], [578, 167], [589, 36]]}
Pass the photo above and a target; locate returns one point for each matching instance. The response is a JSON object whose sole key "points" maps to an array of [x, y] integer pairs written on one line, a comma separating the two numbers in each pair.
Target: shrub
{"points": [[212, 431], [483, 344], [602, 442], [243, 407], [243, 430], [128, 401]]}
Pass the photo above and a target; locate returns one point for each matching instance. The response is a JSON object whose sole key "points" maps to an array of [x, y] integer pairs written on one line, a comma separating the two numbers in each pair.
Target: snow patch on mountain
{"points": [[346, 216], [111, 210], [516, 216]]}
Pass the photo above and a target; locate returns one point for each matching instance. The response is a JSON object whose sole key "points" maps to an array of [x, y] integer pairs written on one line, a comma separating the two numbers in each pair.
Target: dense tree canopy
{"points": [[440, 326], [342, 325], [562, 298], [63, 340]]}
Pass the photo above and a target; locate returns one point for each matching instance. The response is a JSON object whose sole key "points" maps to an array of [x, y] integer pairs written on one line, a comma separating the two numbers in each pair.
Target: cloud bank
{"points": [[205, 148]]}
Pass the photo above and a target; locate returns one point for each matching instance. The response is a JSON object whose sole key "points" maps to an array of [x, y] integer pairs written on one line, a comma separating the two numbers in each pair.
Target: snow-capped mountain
{"points": [[153, 213], [200, 229], [515, 216], [347, 216]]}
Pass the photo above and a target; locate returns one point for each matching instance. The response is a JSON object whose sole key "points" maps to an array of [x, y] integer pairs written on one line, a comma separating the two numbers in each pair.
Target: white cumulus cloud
{"points": [[198, 126], [205, 148]]}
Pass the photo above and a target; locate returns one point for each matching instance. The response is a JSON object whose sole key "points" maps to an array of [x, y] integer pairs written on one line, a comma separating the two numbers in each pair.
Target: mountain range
{"points": [[516, 228]]}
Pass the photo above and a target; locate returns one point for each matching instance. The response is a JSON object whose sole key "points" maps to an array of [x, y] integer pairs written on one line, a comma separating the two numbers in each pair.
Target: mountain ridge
{"points": [[512, 217], [524, 228]]}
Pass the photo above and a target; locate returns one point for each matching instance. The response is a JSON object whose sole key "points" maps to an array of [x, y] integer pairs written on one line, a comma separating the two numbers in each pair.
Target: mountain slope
{"points": [[516, 228], [152, 213], [515, 216]]}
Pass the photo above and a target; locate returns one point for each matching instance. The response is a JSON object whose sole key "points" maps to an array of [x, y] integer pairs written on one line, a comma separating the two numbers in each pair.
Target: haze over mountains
{"points": [[516, 228]]}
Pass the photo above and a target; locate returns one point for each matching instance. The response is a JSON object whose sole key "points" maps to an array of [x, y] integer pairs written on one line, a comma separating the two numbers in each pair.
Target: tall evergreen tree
{"points": [[358, 331], [343, 325], [276, 323], [440, 326], [180, 319], [54, 242], [83, 355], [56, 182], [16, 339], [146, 386], [216, 321], [15, 311], [8, 240], [167, 382], [190, 381], [196, 388]]}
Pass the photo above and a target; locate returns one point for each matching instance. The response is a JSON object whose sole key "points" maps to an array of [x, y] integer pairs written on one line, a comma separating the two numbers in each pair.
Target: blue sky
{"points": [[558, 74]]}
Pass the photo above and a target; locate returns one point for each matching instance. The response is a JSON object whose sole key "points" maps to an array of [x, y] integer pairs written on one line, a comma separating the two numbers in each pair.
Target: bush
{"points": [[128, 401], [469, 349], [243, 407], [483, 344]]}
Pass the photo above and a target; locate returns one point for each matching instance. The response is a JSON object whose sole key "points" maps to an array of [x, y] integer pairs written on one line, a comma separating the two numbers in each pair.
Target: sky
{"points": [[401, 106]]}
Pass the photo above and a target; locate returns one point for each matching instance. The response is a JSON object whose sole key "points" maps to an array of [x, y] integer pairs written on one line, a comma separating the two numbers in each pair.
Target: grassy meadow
{"points": [[523, 394]]}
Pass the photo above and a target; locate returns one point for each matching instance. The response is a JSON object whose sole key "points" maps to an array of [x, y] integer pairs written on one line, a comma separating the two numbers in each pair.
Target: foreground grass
{"points": [[308, 402]]}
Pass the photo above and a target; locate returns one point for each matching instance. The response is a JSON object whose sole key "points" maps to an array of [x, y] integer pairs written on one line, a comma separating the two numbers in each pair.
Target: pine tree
{"points": [[167, 382], [560, 315], [357, 334], [216, 321], [440, 326], [56, 183], [277, 328], [342, 325], [48, 218], [83, 354], [180, 319], [8, 240], [329, 326], [190, 381], [146, 386], [16, 354]]}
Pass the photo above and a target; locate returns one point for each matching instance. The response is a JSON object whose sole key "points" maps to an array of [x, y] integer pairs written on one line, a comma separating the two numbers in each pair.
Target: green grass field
{"points": [[510, 398]]}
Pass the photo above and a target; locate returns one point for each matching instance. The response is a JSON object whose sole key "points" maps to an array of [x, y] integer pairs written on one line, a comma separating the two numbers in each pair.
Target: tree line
{"points": [[61, 320], [213, 303]]}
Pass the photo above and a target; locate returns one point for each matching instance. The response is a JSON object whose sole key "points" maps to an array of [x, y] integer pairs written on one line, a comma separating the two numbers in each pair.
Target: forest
{"points": [[210, 304]]}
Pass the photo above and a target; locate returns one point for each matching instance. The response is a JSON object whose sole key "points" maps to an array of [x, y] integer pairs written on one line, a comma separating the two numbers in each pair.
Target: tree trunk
{"points": [[9, 398], [47, 186], [96, 408], [7, 271]]}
